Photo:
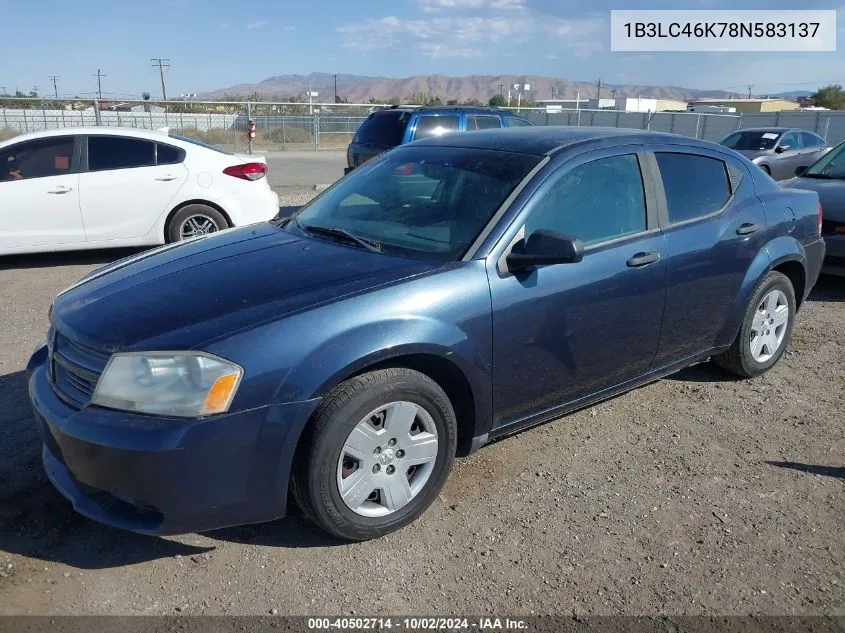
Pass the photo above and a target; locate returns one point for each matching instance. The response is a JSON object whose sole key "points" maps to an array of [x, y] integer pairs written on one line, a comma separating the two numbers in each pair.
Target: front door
{"points": [[565, 331], [39, 194]]}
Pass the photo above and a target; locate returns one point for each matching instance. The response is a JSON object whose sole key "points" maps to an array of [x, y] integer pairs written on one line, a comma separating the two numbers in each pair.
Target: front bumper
{"points": [[167, 476], [834, 263]]}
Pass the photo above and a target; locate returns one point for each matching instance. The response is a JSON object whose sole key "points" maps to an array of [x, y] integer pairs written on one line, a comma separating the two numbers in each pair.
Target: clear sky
{"points": [[216, 43]]}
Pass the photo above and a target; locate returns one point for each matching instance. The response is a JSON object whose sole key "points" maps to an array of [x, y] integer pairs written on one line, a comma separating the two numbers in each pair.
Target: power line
{"points": [[99, 77], [54, 79], [161, 63]]}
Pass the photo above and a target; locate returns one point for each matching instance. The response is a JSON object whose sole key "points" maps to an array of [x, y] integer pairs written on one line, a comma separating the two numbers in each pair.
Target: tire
{"points": [[766, 170], [208, 217], [741, 358], [327, 470]]}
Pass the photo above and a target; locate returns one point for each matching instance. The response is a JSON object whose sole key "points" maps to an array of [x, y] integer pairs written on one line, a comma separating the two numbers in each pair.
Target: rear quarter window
{"points": [[695, 185]]}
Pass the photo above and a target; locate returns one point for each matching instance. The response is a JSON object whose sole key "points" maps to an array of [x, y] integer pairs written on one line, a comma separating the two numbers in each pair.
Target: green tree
{"points": [[497, 101], [832, 97]]}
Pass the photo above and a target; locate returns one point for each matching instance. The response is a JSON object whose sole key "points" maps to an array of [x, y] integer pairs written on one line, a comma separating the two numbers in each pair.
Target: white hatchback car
{"points": [[79, 188]]}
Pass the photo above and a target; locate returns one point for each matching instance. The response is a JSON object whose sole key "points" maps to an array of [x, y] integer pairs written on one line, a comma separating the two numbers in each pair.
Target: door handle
{"points": [[643, 259], [748, 228], [60, 189], [167, 178]]}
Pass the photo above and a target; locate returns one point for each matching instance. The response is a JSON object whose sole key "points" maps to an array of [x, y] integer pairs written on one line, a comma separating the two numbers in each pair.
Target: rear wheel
{"points": [[379, 450], [194, 220], [765, 330], [766, 170]]}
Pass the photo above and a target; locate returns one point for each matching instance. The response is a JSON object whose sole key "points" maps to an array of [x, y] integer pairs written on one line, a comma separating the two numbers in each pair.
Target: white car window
{"points": [[37, 159]]}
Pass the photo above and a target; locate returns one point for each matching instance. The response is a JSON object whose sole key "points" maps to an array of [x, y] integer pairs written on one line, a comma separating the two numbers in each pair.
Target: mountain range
{"points": [[360, 89]]}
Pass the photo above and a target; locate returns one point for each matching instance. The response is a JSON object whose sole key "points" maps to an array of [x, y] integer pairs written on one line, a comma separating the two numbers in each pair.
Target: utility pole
{"points": [[599, 85], [750, 86], [502, 90], [5, 94], [54, 79], [335, 88], [35, 91], [553, 93], [161, 63], [99, 77]]}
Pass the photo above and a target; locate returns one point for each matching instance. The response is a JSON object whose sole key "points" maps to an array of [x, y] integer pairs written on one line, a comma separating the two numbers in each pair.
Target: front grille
{"points": [[74, 369]]}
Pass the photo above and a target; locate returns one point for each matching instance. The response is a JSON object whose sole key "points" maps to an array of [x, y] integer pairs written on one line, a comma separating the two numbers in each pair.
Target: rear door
{"points": [[39, 194], [714, 227], [124, 190]]}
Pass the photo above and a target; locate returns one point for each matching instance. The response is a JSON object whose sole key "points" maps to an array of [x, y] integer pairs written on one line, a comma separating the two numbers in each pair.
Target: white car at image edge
{"points": [[81, 188]]}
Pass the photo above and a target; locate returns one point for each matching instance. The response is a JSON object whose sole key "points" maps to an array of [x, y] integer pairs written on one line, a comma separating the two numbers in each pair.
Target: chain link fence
{"points": [[305, 144]]}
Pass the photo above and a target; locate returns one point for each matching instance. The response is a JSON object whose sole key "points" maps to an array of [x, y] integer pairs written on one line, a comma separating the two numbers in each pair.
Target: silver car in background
{"points": [[778, 151]]}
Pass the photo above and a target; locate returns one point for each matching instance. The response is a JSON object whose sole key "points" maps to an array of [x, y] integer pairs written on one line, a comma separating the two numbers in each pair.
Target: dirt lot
{"points": [[698, 494]]}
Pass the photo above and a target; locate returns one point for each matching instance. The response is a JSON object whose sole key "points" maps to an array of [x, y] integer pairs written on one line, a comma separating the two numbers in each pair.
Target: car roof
{"points": [[434, 109], [544, 140], [772, 129], [113, 131]]}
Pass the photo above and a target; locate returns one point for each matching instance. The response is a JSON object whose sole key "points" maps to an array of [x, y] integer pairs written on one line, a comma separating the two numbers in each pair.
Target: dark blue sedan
{"points": [[445, 294]]}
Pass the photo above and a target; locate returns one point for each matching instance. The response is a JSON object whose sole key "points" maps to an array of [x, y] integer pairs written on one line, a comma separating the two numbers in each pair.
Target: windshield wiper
{"points": [[331, 231]]}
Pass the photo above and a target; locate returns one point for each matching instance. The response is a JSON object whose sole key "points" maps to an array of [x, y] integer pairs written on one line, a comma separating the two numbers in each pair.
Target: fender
{"points": [[351, 351], [774, 253]]}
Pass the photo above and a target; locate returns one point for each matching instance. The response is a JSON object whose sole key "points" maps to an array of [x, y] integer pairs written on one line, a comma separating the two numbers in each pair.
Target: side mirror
{"points": [[780, 149], [545, 247], [799, 171]]}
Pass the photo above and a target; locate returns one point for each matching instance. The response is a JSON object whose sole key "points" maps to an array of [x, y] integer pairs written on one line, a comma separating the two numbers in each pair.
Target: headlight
{"points": [[182, 384]]}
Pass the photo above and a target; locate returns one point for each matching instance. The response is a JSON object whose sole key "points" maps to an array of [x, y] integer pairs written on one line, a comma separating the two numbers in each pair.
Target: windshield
{"points": [[831, 165], [422, 202], [751, 141], [383, 128]]}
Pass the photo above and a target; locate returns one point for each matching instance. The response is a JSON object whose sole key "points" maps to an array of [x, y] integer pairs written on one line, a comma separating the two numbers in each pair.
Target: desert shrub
{"points": [[6, 133], [288, 134], [214, 136]]}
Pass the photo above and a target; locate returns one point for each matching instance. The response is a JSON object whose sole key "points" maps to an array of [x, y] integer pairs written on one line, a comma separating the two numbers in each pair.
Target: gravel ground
{"points": [[698, 494]]}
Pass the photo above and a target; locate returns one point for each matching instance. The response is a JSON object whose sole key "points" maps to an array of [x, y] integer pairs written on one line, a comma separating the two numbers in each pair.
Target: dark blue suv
{"points": [[446, 294], [385, 129]]}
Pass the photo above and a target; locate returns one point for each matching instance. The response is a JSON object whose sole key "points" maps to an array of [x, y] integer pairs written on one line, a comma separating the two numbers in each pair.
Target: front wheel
{"points": [[765, 330], [378, 451]]}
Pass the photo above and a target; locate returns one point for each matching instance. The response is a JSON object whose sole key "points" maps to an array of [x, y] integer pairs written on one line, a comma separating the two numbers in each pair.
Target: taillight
{"points": [[820, 219], [247, 171]]}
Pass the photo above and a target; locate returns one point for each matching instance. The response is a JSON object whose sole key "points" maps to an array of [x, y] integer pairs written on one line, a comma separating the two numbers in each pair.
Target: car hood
{"points": [[831, 194], [181, 296]]}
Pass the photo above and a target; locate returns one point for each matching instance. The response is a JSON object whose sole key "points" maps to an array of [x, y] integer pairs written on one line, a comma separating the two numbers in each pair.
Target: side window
{"points": [[37, 159], [595, 202], [514, 122], [168, 155], [119, 152], [695, 185], [810, 140], [790, 140], [482, 122], [428, 126]]}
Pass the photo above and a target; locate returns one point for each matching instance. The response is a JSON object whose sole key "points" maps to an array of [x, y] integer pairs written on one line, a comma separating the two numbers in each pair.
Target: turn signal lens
{"points": [[220, 394]]}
